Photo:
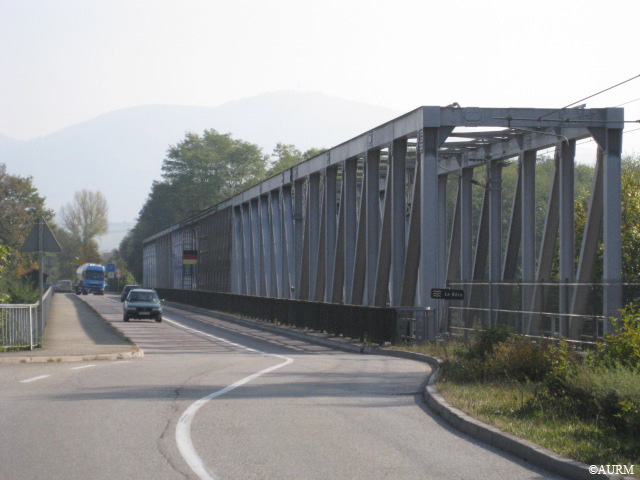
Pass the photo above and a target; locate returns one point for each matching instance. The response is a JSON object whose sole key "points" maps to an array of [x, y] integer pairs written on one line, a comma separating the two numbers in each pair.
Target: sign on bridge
{"points": [[447, 294]]}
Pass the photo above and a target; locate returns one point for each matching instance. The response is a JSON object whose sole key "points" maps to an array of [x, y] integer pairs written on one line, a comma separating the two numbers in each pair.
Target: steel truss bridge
{"points": [[382, 219]]}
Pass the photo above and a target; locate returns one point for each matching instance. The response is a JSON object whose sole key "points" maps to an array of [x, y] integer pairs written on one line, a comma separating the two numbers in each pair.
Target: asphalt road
{"points": [[215, 400]]}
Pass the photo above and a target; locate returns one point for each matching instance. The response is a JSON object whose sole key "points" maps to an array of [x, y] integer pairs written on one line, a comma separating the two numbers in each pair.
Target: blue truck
{"points": [[90, 279]]}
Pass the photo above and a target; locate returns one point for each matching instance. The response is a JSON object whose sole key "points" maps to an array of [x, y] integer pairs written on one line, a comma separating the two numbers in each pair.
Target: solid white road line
{"points": [[29, 380], [83, 366], [183, 428]]}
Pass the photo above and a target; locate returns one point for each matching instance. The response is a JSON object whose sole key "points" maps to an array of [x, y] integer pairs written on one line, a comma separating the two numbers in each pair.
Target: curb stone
{"points": [[524, 449], [139, 353]]}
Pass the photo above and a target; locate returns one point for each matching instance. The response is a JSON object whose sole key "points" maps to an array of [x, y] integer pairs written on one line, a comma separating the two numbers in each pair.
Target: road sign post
{"points": [[40, 239]]}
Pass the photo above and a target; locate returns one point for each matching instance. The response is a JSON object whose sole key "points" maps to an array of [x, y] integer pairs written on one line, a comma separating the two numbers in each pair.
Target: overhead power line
{"points": [[627, 103], [591, 96]]}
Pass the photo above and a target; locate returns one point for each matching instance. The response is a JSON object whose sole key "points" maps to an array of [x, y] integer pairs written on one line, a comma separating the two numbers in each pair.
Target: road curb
{"points": [[139, 353], [523, 449]]}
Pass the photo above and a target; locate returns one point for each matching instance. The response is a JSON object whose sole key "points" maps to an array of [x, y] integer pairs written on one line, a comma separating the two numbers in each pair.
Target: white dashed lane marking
{"points": [[83, 366], [29, 380]]}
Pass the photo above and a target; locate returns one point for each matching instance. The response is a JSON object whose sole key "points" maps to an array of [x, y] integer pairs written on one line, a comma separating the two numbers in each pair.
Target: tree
{"points": [[286, 156], [86, 217], [4, 257], [203, 170], [20, 207], [198, 172]]}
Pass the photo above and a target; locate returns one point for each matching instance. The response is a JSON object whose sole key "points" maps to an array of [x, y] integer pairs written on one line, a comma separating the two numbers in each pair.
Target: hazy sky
{"points": [[65, 61]]}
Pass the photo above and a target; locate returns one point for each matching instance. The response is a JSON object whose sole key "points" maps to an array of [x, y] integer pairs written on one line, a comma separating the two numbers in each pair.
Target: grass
{"points": [[13, 349], [512, 408], [523, 409]]}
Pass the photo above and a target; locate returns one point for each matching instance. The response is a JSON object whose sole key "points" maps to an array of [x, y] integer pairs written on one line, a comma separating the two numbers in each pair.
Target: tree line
{"points": [[198, 172]]}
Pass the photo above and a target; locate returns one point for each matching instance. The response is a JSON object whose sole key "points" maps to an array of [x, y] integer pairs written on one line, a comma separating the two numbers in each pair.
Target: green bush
{"points": [[611, 394], [519, 359], [623, 346], [486, 341], [21, 292], [471, 365]]}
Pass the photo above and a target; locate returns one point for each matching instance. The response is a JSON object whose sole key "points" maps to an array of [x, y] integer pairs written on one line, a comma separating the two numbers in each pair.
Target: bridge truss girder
{"points": [[366, 221]]}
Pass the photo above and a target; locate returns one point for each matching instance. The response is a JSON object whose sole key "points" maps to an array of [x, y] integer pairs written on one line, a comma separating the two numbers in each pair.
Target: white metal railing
{"points": [[23, 325]]}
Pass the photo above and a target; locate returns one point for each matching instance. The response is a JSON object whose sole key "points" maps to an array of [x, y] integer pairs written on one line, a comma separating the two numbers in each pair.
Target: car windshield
{"points": [[143, 297]]}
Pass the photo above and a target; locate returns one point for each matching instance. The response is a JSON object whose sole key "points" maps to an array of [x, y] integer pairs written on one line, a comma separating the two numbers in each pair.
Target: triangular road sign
{"points": [[49, 242]]}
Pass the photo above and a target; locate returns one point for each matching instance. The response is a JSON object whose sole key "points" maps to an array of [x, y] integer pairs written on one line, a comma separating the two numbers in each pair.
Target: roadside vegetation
{"points": [[582, 404]]}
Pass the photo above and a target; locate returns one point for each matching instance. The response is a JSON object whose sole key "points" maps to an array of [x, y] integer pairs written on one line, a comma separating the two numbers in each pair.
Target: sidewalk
{"points": [[75, 333]]}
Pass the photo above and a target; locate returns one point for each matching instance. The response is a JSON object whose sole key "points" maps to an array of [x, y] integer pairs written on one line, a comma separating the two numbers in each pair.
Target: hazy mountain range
{"points": [[120, 153]]}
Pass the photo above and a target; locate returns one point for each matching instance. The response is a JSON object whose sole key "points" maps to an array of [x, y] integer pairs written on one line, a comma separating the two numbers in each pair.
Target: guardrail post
{"points": [[30, 328]]}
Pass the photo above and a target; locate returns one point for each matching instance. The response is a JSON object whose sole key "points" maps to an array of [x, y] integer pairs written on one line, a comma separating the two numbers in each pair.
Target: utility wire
{"points": [[590, 96], [627, 103]]}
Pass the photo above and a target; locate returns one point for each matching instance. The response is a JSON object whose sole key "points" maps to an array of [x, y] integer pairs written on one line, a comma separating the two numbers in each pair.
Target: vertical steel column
{"points": [[299, 233], [350, 223], [277, 244], [249, 281], [258, 265], [478, 295], [303, 290], [383, 269], [612, 261], [314, 230], [588, 250], [466, 235], [288, 257], [238, 274], [337, 294], [495, 236], [397, 159], [429, 265], [321, 261], [528, 184], [265, 245], [330, 213], [514, 235], [372, 185], [360, 266], [412, 253], [545, 257], [510, 264], [442, 249], [567, 257], [453, 255]]}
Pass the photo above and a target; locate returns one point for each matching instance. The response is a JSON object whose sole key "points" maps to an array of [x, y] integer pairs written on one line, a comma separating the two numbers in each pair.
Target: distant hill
{"points": [[7, 141], [121, 152]]}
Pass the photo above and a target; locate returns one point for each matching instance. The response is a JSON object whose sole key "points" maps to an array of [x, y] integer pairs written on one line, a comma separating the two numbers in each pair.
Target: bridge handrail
{"points": [[22, 325]]}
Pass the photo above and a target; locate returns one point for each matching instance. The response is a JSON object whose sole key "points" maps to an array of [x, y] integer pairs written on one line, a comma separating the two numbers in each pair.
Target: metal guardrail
{"points": [[416, 325], [22, 325], [371, 324]]}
